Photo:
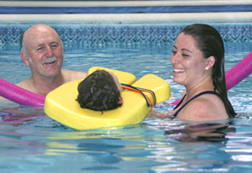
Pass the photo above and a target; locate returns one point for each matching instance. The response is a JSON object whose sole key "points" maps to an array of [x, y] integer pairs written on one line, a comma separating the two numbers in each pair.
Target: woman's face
{"points": [[189, 65]]}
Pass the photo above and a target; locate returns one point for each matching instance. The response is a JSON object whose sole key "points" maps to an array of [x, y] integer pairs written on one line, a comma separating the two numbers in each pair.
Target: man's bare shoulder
{"points": [[73, 75], [24, 84]]}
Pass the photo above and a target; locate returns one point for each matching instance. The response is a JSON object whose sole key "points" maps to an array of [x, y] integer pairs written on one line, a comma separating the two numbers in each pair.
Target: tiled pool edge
{"points": [[82, 35], [124, 29]]}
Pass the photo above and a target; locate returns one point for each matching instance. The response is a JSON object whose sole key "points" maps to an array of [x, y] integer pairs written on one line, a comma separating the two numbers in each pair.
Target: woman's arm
{"points": [[156, 114]]}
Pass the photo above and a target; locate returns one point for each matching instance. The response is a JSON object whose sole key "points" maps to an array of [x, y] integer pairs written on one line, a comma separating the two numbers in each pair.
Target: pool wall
{"points": [[131, 23], [85, 35]]}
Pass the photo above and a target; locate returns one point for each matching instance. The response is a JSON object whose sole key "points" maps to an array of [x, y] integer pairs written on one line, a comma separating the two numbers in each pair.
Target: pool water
{"points": [[32, 142]]}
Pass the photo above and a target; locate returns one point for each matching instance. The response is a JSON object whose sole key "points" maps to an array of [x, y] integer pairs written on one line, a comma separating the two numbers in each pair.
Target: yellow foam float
{"points": [[61, 105]]}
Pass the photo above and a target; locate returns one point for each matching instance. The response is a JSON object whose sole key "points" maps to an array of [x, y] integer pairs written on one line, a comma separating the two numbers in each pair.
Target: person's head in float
{"points": [[100, 91]]}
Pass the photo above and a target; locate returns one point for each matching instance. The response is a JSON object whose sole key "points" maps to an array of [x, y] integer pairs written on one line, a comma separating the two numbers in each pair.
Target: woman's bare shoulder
{"points": [[209, 107]]}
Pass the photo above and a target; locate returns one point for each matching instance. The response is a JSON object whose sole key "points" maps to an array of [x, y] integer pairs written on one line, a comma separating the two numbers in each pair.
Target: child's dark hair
{"points": [[98, 92]]}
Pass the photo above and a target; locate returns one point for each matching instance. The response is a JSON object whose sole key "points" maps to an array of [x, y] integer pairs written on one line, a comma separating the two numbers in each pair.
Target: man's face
{"points": [[45, 51]]}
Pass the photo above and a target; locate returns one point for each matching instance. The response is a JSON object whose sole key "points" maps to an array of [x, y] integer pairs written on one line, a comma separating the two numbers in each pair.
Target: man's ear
{"points": [[24, 58], [210, 62]]}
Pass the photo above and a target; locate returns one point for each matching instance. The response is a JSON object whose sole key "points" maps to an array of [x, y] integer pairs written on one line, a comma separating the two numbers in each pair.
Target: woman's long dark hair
{"points": [[210, 43]]}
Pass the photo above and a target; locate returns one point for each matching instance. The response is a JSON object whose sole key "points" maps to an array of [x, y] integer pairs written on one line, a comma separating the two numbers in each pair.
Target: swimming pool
{"points": [[32, 142]]}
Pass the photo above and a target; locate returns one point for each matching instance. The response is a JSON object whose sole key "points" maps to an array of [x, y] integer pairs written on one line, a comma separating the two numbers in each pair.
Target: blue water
{"points": [[32, 142]]}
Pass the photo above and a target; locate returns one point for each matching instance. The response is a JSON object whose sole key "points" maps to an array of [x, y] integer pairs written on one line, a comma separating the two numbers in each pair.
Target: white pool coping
{"points": [[142, 18], [121, 3]]}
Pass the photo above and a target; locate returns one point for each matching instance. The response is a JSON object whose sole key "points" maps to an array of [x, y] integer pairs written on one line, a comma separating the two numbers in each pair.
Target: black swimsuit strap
{"points": [[204, 92]]}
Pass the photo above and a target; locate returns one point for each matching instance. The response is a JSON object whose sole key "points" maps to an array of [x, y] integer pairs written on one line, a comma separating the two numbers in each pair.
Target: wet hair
{"points": [[210, 43], [98, 92]]}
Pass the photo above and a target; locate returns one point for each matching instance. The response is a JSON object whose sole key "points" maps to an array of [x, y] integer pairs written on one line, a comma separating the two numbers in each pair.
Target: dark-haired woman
{"points": [[198, 64]]}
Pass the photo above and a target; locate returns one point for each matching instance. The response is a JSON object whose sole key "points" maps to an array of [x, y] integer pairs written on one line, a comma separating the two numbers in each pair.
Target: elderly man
{"points": [[43, 50]]}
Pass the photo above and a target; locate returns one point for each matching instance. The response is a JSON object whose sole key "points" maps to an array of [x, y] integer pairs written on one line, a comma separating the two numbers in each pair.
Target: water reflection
{"points": [[208, 132], [17, 116], [194, 146], [154, 145]]}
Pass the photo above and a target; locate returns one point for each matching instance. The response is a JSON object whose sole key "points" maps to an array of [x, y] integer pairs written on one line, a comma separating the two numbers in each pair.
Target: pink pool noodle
{"points": [[239, 72], [20, 95], [235, 74]]}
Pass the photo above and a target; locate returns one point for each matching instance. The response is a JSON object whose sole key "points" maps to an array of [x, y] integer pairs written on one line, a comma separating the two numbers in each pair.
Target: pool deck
{"points": [[126, 18]]}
